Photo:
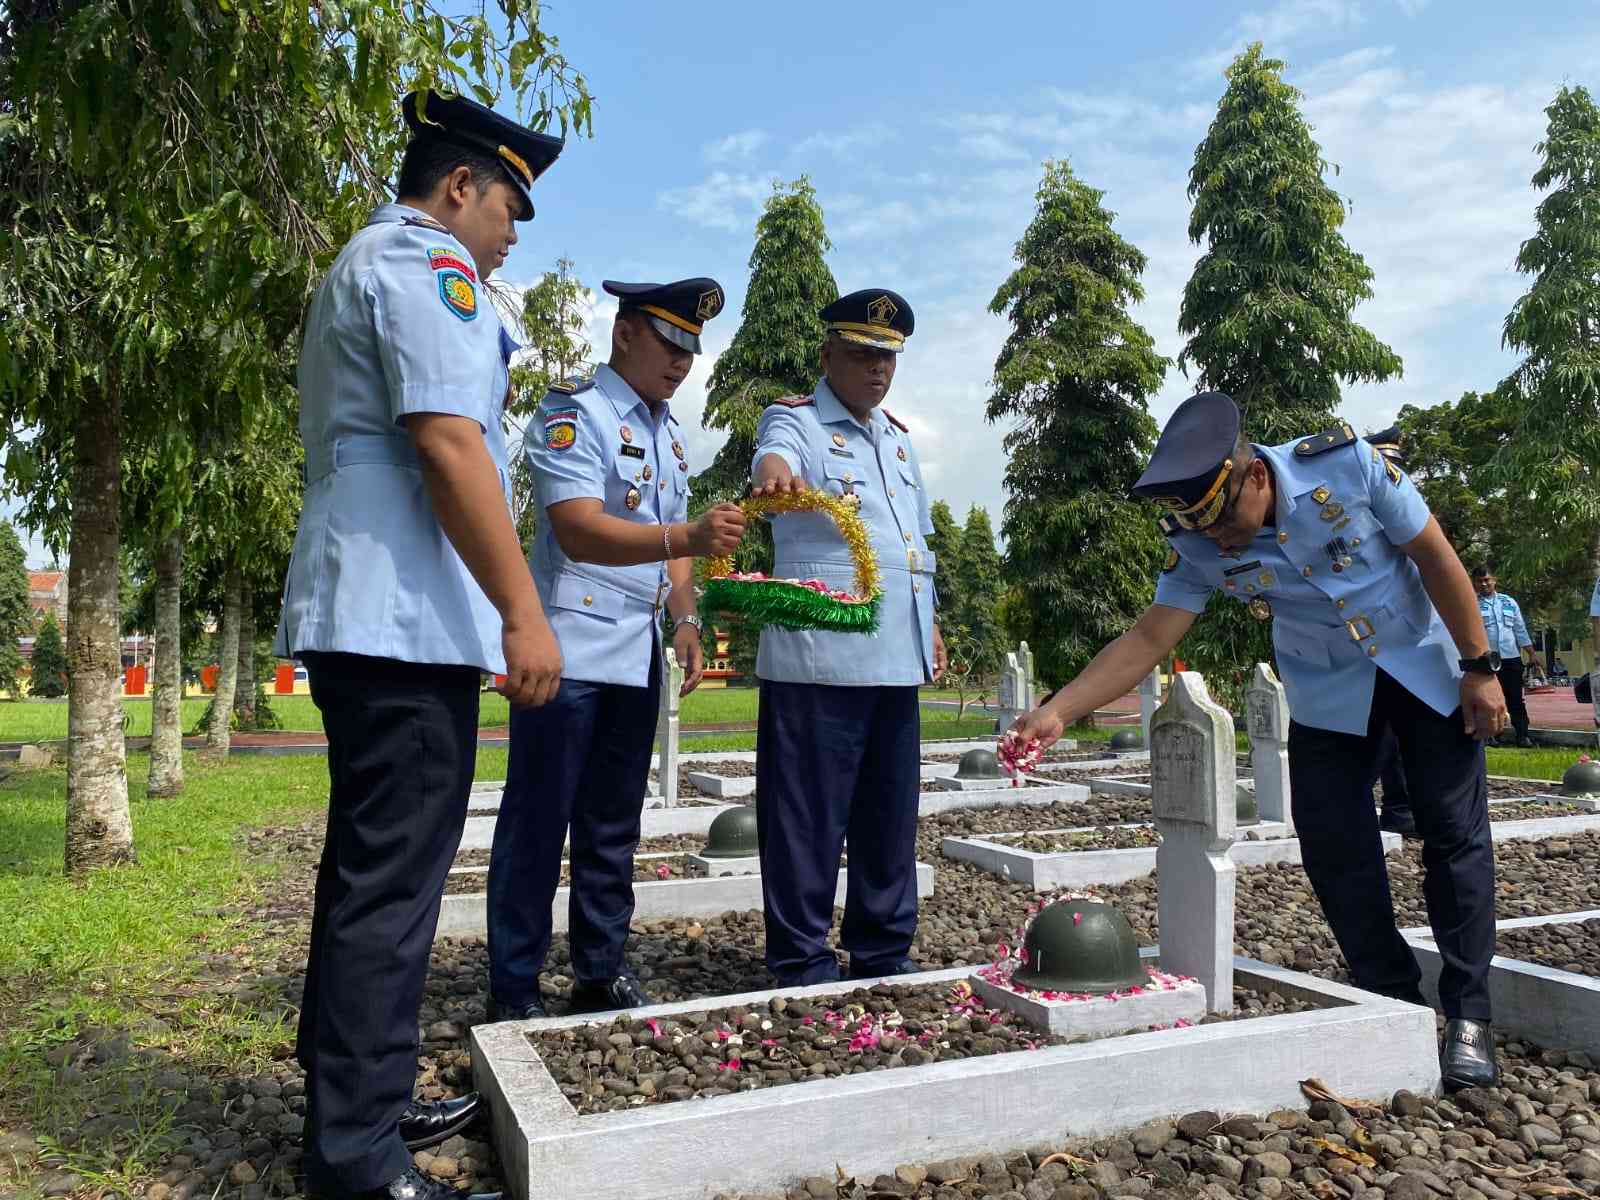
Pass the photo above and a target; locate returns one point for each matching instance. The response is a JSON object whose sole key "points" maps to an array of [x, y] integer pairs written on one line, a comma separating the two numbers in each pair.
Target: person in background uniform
{"points": [[406, 583], [613, 481], [1594, 677], [838, 749], [1508, 638], [1374, 627]]}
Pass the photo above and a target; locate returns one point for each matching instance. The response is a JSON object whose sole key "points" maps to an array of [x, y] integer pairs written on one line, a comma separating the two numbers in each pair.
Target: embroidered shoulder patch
{"points": [[896, 421], [1172, 560], [571, 387], [794, 401], [1328, 439], [458, 294], [1394, 473], [561, 429], [440, 259], [425, 223]]}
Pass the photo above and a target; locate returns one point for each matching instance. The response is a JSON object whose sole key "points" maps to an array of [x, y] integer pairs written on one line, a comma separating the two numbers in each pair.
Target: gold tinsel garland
{"points": [[845, 517]]}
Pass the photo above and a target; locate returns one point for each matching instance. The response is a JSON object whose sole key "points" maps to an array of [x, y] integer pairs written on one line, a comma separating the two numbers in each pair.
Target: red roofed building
{"points": [[47, 592]]}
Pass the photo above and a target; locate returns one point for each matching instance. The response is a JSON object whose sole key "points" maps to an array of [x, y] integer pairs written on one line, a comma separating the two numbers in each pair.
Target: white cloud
{"points": [[846, 143], [720, 201], [736, 147]]}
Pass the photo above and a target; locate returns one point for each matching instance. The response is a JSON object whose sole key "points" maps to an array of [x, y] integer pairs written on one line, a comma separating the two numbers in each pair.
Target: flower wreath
{"points": [[800, 603]]}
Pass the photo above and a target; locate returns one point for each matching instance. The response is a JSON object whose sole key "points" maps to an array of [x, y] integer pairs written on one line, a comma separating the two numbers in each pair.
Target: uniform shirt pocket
{"points": [[1306, 647], [842, 478], [585, 596], [626, 476]]}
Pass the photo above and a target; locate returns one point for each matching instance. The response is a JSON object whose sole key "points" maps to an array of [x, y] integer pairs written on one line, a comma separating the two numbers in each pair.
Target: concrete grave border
{"points": [[1556, 1008], [865, 1124], [467, 914], [1047, 871]]}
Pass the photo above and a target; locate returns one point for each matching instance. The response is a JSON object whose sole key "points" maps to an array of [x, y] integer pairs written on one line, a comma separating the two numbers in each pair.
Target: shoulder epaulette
{"points": [[896, 421], [1168, 525], [1321, 443], [571, 387], [794, 401], [426, 223]]}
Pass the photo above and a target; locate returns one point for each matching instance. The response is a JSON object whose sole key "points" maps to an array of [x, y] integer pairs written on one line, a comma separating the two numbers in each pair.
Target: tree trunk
{"points": [[166, 701], [99, 825], [217, 735], [244, 694]]}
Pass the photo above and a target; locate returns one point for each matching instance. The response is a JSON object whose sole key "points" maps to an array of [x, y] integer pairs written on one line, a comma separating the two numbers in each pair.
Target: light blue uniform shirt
{"points": [[833, 452], [400, 325], [1502, 621], [1345, 599], [1594, 600], [601, 442]]}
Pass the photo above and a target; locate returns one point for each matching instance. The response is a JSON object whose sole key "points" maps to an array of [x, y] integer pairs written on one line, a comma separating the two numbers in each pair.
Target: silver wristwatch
{"points": [[692, 619]]}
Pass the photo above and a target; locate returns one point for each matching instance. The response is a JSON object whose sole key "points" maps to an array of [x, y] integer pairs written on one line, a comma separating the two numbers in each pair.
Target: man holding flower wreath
{"points": [[838, 747]]}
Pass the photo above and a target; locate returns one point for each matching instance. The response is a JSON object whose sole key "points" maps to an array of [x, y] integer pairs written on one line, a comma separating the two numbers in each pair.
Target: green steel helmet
{"points": [[978, 764], [1581, 779], [1245, 811], [1081, 946], [1127, 739], [732, 834]]}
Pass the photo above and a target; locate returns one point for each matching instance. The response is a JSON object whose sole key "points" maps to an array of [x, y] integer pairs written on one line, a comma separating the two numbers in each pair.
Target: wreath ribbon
{"points": [[795, 603]]}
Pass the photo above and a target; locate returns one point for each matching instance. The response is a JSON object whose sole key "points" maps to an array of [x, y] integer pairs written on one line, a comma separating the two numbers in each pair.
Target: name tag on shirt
{"points": [[838, 453], [633, 452], [1242, 568]]}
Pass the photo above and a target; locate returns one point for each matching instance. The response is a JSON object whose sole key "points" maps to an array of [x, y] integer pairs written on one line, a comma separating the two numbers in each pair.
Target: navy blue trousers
{"points": [[402, 745], [1389, 769], [833, 762], [1331, 780], [580, 762]]}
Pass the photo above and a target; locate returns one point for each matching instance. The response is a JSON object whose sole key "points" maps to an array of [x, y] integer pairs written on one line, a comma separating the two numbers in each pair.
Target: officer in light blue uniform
{"points": [[1508, 637], [1372, 614], [838, 747], [608, 460], [405, 585]]}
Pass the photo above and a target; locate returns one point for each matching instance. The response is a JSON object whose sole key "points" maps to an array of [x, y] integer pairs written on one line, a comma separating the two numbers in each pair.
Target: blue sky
{"points": [[923, 127]]}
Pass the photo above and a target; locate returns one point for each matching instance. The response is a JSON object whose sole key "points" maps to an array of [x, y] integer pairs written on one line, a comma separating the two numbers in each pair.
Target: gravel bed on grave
{"points": [[1532, 810], [1535, 1136], [1102, 837], [1050, 756], [231, 1126], [1574, 947], [628, 1063], [667, 843], [1063, 814], [645, 870]]}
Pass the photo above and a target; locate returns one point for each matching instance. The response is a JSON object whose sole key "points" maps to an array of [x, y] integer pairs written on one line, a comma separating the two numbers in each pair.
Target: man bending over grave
{"points": [[1376, 626]]}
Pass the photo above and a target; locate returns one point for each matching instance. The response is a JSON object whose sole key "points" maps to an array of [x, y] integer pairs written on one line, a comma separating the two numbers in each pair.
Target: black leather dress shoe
{"points": [[1525, 742], [412, 1185], [1399, 821], [429, 1122], [604, 995], [534, 1010], [904, 967], [1467, 1057]]}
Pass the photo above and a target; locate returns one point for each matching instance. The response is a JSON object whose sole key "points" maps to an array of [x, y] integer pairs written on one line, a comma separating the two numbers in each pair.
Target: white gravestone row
{"points": [[1030, 696], [1016, 687], [1267, 714], [667, 732], [1149, 701], [1192, 781]]}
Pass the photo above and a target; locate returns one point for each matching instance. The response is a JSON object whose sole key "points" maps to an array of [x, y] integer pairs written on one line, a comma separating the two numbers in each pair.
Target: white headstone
{"points": [[1192, 788], [1030, 682], [667, 731], [1149, 701], [1013, 693], [1267, 710]]}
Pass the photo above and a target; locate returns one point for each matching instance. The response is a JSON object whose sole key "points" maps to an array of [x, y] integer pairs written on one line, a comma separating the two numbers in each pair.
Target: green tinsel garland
{"points": [[776, 602]]}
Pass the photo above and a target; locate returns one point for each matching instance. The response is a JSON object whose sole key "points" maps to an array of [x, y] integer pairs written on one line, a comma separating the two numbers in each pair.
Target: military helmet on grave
{"points": [[1081, 946], [978, 764], [1581, 779], [1127, 739], [732, 834]]}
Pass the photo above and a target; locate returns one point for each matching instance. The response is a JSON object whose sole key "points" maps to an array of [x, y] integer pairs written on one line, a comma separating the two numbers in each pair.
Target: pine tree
{"points": [[774, 353], [1553, 459], [945, 542], [1268, 308], [16, 613], [980, 582], [48, 677], [1075, 374]]}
